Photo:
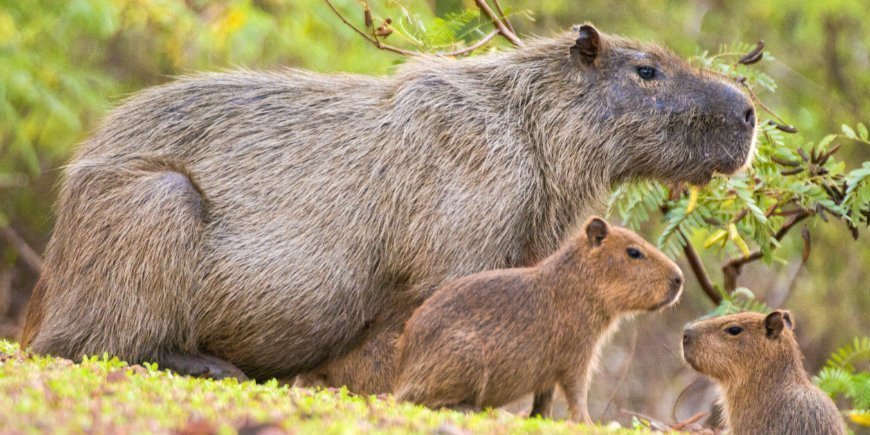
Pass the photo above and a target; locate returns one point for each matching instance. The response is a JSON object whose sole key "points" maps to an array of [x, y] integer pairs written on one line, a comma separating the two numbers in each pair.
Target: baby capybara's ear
{"points": [[596, 230], [776, 321], [588, 45]]}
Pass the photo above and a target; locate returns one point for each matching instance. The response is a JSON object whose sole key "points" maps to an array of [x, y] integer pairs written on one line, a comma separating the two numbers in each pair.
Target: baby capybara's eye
{"points": [[734, 330], [634, 253]]}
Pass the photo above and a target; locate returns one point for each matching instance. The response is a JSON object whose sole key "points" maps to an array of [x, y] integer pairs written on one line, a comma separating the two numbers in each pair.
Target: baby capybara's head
{"points": [[655, 115], [729, 348], [637, 276]]}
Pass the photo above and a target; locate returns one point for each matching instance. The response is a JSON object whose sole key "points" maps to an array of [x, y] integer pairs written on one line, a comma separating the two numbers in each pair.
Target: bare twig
{"points": [[376, 42], [689, 421], [472, 47], [731, 270], [499, 24], [781, 125], [502, 16], [27, 253], [701, 273], [503, 27]]}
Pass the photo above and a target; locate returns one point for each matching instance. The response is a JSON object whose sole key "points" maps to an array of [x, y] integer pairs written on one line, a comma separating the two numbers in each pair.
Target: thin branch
{"points": [[472, 47], [28, 254], [502, 28], [374, 41], [756, 100], [731, 270], [689, 421], [701, 273], [377, 42], [503, 17]]}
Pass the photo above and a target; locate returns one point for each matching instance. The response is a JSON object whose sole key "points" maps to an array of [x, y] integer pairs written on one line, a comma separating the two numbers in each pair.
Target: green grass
{"points": [[40, 394]]}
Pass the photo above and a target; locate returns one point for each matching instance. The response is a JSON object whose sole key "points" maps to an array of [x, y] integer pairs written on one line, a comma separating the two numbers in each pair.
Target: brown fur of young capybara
{"points": [[490, 338], [757, 362], [289, 222]]}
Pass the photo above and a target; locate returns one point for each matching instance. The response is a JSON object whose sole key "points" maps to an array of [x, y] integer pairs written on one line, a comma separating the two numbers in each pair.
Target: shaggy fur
{"points": [[490, 338], [766, 388], [280, 220]]}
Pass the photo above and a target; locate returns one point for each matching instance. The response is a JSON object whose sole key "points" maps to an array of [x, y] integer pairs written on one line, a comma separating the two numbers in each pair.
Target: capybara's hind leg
{"points": [[542, 405], [122, 266], [200, 365]]}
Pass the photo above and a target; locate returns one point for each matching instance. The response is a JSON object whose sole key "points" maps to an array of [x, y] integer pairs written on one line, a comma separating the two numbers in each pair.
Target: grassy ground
{"points": [[101, 395]]}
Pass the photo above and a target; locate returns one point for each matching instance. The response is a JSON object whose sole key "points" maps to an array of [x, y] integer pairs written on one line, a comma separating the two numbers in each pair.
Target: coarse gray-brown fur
{"points": [[280, 221]]}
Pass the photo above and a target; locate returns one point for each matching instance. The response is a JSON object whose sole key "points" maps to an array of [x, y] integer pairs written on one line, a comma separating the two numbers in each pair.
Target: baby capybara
{"points": [[490, 338], [757, 362]]}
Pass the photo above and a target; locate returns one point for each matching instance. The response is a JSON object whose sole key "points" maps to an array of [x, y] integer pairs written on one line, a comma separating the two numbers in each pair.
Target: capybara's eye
{"points": [[646, 72], [634, 253], [734, 330]]}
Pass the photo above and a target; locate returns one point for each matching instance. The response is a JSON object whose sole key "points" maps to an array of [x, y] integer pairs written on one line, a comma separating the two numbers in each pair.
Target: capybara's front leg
{"points": [[576, 391], [201, 365], [542, 405]]}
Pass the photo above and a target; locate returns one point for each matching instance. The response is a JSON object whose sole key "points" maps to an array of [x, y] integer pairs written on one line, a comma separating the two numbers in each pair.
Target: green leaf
{"points": [[848, 131]]}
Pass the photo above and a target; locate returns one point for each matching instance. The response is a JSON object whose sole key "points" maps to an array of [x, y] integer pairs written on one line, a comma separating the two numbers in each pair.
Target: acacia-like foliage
{"points": [[841, 378]]}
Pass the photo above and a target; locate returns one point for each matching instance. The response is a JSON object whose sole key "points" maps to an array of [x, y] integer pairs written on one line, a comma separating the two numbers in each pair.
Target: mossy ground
{"points": [[41, 394]]}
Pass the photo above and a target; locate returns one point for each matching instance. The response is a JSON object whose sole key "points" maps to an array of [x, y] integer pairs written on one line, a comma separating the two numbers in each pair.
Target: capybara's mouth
{"points": [[673, 296], [687, 356]]}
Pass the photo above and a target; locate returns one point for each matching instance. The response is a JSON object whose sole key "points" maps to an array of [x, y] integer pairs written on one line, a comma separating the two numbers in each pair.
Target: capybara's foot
{"points": [[202, 366], [542, 406]]}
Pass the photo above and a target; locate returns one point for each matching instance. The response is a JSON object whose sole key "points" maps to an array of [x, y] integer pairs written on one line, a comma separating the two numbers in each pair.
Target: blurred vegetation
{"points": [[64, 64]]}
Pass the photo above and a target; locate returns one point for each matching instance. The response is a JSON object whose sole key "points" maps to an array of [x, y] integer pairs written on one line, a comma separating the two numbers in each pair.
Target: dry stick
{"points": [[503, 16], [700, 272], [510, 36], [757, 100], [731, 269], [373, 38], [471, 47], [27, 253], [376, 42], [695, 260], [691, 420]]}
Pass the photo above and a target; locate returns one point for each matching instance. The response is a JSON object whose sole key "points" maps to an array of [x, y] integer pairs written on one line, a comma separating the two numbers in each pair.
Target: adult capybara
{"points": [[276, 222], [757, 362], [490, 338]]}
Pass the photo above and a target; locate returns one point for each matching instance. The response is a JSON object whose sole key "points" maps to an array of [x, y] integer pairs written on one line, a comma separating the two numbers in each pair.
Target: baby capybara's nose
{"points": [[688, 335], [676, 282]]}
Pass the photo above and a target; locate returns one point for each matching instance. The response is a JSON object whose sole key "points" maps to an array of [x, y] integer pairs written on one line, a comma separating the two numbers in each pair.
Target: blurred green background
{"points": [[64, 63]]}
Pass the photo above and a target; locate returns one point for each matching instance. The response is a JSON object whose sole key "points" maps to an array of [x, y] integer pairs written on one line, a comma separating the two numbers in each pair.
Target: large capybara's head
{"points": [[636, 275], [733, 347], [656, 116]]}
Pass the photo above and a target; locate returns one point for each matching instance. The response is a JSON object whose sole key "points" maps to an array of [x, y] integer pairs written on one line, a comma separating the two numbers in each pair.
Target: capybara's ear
{"points": [[789, 320], [776, 321], [588, 45], [596, 230]]}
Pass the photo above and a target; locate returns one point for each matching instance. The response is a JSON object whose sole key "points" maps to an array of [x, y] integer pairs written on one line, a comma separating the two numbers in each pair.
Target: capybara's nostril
{"points": [[749, 117], [688, 334], [676, 283]]}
